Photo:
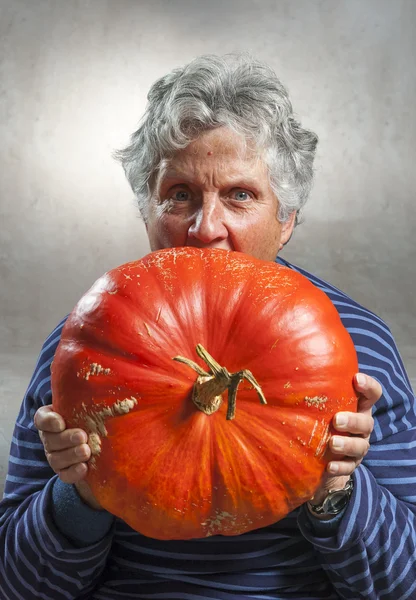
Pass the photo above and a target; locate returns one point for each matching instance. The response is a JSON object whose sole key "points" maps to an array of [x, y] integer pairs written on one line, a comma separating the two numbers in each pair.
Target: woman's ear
{"points": [[287, 229]]}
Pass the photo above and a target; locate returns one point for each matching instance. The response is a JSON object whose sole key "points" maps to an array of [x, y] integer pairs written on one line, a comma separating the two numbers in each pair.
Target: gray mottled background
{"points": [[73, 81]]}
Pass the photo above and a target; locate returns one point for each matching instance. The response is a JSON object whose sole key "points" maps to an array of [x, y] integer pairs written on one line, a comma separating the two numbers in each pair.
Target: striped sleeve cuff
{"points": [[319, 527], [352, 525], [81, 524]]}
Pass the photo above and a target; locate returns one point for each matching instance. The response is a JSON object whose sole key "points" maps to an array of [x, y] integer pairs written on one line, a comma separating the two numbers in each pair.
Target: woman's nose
{"points": [[208, 224]]}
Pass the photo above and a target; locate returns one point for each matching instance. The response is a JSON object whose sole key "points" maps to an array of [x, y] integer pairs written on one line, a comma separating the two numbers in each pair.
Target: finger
{"points": [[341, 467], [73, 474], [69, 438], [46, 419], [354, 447], [355, 423], [369, 390], [68, 458]]}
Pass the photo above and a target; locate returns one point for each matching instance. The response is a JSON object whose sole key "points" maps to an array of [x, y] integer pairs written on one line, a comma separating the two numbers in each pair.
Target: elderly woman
{"points": [[219, 161]]}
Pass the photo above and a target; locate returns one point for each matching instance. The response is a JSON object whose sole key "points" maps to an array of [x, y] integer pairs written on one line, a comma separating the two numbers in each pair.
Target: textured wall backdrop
{"points": [[73, 81]]}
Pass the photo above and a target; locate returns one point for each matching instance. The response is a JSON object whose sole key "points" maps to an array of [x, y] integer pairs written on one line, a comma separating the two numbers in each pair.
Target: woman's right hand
{"points": [[66, 450]]}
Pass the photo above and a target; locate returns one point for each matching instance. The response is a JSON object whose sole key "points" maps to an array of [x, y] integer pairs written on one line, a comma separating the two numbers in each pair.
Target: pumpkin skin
{"points": [[158, 462]]}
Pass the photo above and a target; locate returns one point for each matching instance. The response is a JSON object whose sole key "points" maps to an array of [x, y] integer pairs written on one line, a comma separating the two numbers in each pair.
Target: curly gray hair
{"points": [[234, 91]]}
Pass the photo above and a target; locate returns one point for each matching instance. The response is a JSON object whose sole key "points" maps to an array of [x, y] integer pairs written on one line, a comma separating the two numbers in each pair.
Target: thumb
{"points": [[46, 419]]}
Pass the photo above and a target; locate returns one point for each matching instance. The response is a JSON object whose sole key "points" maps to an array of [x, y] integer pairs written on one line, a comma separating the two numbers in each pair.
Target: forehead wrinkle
{"points": [[234, 162], [219, 172]]}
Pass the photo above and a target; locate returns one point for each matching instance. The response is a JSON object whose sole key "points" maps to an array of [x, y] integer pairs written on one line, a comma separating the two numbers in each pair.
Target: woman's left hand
{"points": [[347, 452]]}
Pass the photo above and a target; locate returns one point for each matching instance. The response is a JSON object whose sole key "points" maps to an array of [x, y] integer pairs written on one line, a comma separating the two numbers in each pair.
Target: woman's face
{"points": [[216, 194]]}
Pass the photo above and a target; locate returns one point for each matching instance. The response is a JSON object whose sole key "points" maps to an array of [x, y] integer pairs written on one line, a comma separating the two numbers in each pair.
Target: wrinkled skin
{"points": [[215, 193]]}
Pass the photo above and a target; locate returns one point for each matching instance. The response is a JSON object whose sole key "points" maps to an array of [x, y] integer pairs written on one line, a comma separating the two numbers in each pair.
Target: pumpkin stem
{"points": [[207, 390]]}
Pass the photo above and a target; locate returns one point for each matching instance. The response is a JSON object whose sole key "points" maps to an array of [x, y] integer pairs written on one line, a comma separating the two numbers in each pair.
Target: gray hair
{"points": [[234, 91]]}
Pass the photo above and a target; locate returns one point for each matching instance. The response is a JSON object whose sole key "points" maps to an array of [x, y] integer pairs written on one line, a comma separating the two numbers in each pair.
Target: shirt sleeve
{"points": [[371, 552], [35, 508]]}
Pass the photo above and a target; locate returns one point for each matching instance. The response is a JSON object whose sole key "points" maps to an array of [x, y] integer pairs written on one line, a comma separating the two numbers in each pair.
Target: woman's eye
{"points": [[241, 195], [180, 196]]}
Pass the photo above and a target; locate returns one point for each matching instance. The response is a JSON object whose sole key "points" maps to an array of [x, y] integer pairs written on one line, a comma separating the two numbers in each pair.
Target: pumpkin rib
{"points": [[182, 307]]}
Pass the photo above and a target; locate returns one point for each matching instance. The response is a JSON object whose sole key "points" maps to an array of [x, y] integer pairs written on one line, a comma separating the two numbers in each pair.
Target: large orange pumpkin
{"points": [[207, 381]]}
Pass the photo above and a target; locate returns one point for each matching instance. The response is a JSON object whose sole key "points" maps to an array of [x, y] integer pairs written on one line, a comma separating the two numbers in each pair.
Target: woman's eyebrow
{"points": [[235, 181]]}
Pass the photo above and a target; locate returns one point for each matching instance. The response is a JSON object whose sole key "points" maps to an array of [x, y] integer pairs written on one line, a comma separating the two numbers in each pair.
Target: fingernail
{"points": [[333, 468], [360, 379], [81, 451], [337, 443], [341, 420], [56, 423], [78, 438]]}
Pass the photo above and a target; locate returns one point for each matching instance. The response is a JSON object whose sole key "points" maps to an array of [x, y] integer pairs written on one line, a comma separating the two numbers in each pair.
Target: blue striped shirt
{"points": [[54, 547]]}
